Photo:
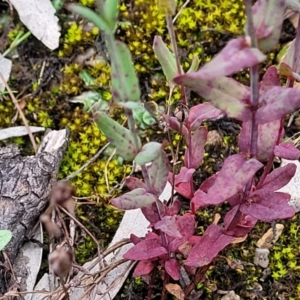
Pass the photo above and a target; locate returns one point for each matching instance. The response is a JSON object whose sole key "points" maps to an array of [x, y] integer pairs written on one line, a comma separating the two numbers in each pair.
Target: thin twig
{"points": [[87, 231], [13, 98], [94, 158]]}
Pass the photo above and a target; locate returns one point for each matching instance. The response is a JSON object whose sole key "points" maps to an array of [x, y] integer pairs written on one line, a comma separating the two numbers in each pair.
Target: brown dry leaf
{"points": [[234, 264], [213, 138], [239, 239], [175, 290], [185, 248], [217, 218], [270, 237]]}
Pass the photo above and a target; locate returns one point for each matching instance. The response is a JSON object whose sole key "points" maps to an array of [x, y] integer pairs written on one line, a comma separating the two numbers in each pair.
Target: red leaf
{"points": [[146, 249], [287, 150], [268, 206], [279, 178], [235, 56], [278, 102], [172, 267], [196, 149], [186, 225], [234, 175], [183, 182], [143, 267], [200, 113], [134, 183], [211, 243], [168, 224]]}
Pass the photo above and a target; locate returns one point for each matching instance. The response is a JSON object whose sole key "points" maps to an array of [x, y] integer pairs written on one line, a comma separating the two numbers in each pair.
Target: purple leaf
{"points": [[268, 20], [234, 175], [134, 183], [268, 206], [168, 225], [270, 79], [174, 208], [235, 56], [172, 267], [196, 149], [224, 93], [208, 183], [266, 141], [242, 223], [146, 249], [151, 213], [279, 177], [174, 124], [234, 200], [135, 199], [158, 173], [200, 113], [183, 182], [278, 102], [287, 150], [143, 267], [135, 239], [211, 243], [199, 200], [186, 225]]}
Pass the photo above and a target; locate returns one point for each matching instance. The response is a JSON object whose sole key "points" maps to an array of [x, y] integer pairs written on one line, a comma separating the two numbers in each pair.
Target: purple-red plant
{"points": [[260, 108]]}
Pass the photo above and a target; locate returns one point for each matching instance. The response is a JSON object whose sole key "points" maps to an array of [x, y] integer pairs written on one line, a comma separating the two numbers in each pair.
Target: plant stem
{"points": [[16, 42], [171, 32]]}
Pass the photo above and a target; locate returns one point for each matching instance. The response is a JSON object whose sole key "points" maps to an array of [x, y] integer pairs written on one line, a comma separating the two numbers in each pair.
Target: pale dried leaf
{"points": [[175, 290], [16, 131], [293, 187], [39, 17], [5, 68]]}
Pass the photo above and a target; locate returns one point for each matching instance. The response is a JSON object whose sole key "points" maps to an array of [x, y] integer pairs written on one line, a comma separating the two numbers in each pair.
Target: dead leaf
{"points": [[270, 237], [5, 68], [175, 290], [39, 17], [231, 296]]}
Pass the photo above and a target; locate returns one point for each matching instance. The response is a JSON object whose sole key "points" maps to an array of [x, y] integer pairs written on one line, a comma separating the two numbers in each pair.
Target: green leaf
{"points": [[125, 85], [90, 15], [166, 59], [148, 153], [86, 77], [91, 100], [148, 119], [119, 136], [111, 13], [5, 237], [194, 65]]}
